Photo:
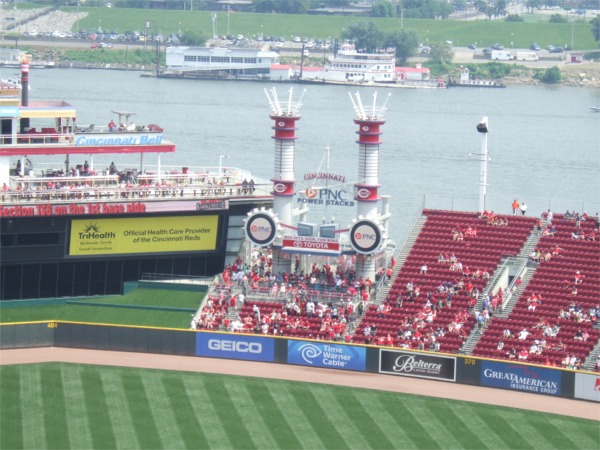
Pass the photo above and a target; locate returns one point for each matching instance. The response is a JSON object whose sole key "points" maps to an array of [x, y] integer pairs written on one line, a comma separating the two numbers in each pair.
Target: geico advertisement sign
{"points": [[143, 235], [233, 346], [333, 356]]}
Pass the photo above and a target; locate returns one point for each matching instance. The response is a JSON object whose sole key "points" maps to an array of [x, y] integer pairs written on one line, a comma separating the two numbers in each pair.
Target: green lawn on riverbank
{"points": [[462, 33]]}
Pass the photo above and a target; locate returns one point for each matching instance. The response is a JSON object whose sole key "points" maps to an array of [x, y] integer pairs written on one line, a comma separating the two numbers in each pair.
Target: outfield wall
{"points": [[331, 355]]}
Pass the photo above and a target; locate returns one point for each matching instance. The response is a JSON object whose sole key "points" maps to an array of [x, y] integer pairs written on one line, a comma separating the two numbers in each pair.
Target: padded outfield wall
{"points": [[338, 356]]}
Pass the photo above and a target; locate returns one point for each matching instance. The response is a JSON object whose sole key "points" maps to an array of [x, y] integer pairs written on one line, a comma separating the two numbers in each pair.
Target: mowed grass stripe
{"points": [[374, 404], [263, 394], [160, 409], [257, 425], [11, 431], [94, 398], [413, 420], [286, 401], [55, 413], [139, 408], [77, 412], [118, 411], [197, 391], [455, 425], [533, 428], [32, 407], [233, 423], [497, 430], [318, 417], [355, 426], [558, 432], [190, 429], [423, 410]]}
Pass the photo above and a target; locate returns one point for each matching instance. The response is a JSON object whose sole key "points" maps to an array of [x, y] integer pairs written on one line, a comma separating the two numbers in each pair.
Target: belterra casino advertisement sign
{"points": [[143, 235]]}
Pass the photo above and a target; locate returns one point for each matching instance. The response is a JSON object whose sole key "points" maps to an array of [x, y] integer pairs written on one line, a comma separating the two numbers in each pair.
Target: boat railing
{"points": [[37, 137], [101, 188]]}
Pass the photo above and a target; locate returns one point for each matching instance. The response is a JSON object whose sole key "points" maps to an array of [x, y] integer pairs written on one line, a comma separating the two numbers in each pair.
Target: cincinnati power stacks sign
{"points": [[417, 365], [520, 378]]}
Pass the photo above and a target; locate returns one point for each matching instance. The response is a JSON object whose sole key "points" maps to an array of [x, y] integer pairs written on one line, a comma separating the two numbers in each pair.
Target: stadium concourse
{"points": [[501, 287]]}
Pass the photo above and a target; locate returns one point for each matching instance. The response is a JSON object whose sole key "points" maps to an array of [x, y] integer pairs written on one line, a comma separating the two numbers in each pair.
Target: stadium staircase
{"points": [[553, 281], [523, 269], [485, 251], [400, 257]]}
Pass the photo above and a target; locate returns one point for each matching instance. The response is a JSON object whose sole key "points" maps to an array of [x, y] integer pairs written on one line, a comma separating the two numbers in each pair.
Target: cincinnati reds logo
{"points": [[279, 188], [365, 128], [363, 193], [311, 193], [281, 123]]}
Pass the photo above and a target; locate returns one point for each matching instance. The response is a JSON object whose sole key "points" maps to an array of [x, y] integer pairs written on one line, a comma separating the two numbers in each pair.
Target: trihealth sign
{"points": [[143, 235], [332, 356], [231, 346], [520, 378]]}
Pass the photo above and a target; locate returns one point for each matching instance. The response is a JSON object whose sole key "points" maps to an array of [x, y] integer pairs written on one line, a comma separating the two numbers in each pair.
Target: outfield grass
{"points": [[129, 309], [462, 33], [56, 405]]}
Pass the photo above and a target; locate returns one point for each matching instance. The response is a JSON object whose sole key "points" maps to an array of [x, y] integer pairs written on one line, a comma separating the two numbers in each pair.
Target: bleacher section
{"points": [[554, 282], [445, 233]]}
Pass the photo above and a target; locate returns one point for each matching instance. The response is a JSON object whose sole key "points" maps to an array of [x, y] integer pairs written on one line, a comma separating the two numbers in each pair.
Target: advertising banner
{"points": [[312, 245], [113, 208], [231, 346], [331, 356], [418, 365], [587, 387], [518, 377], [143, 235]]}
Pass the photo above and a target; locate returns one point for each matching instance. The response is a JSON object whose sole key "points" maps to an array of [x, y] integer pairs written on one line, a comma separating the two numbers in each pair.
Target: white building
{"points": [[235, 62]]}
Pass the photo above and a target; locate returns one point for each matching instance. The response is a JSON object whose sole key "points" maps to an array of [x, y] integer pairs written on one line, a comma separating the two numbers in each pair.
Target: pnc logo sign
{"points": [[234, 346], [365, 236], [311, 193], [259, 229]]}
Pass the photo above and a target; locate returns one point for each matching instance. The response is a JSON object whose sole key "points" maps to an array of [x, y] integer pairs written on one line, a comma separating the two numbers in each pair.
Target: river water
{"points": [[544, 142]]}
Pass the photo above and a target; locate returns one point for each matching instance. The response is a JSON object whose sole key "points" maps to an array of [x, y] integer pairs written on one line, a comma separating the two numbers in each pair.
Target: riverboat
{"points": [[87, 226], [349, 65], [466, 81]]}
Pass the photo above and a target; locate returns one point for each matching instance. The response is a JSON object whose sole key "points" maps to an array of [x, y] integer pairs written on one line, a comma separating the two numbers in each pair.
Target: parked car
{"points": [[425, 50], [472, 46], [94, 45], [497, 46], [557, 50], [535, 47], [550, 48], [487, 51]]}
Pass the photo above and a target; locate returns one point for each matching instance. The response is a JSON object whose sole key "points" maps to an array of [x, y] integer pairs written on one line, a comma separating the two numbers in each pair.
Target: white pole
{"points": [[483, 129]]}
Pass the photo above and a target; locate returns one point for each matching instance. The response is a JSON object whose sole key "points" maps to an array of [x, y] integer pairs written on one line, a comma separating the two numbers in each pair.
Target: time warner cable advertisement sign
{"points": [[520, 378], [232, 346], [435, 367], [331, 356]]}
